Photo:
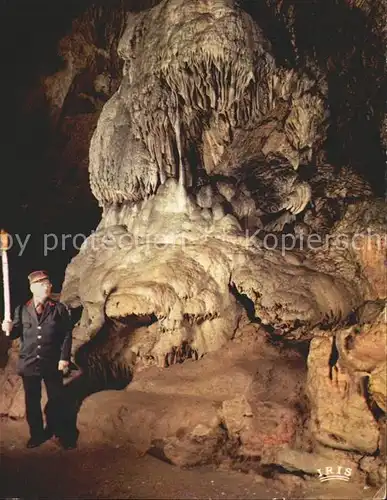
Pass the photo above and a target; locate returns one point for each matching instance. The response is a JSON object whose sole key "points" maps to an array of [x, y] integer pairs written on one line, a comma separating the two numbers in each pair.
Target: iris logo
{"points": [[330, 474]]}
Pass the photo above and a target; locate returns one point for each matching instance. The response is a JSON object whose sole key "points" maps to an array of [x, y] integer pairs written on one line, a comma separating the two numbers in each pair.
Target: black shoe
{"points": [[48, 433], [67, 445], [34, 442]]}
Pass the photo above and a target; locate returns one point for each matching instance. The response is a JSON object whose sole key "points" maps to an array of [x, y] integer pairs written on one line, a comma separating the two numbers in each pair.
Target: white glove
{"points": [[63, 366], [7, 326]]}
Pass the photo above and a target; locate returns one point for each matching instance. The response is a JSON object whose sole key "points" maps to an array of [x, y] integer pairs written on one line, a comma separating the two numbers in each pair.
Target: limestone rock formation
{"points": [[140, 171], [226, 236], [198, 147], [200, 411], [362, 352], [176, 114], [338, 420], [11, 386]]}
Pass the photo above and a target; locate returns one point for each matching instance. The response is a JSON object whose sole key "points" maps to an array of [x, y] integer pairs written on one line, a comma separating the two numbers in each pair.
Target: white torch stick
{"points": [[4, 259]]}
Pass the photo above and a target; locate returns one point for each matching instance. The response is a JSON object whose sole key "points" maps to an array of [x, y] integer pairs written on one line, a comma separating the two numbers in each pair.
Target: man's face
{"points": [[41, 289]]}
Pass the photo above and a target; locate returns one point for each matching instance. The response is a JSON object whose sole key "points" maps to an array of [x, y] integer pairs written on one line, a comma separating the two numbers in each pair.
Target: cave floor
{"points": [[119, 472]]}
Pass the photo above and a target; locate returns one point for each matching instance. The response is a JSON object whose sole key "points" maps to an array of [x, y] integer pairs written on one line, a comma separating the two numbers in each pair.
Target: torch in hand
{"points": [[7, 301]]}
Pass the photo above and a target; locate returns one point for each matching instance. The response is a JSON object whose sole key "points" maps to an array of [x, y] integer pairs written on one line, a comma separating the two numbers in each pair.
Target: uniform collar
{"points": [[36, 301], [49, 301], [31, 308]]}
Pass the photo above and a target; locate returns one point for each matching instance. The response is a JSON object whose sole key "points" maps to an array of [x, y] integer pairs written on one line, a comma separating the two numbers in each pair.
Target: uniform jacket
{"points": [[43, 341]]}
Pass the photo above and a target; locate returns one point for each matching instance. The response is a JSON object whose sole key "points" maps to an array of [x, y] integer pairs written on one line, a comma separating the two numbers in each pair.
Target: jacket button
{"points": [[39, 346], [39, 336], [39, 327], [38, 356]]}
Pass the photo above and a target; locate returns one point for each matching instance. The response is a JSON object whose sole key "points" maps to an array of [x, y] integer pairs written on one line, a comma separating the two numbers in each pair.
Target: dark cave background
{"points": [[343, 41]]}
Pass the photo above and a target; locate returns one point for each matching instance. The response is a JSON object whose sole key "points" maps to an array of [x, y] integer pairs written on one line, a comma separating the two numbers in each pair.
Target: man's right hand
{"points": [[6, 326]]}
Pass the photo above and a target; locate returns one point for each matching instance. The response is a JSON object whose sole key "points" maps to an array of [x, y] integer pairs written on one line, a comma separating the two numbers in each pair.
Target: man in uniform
{"points": [[44, 328]]}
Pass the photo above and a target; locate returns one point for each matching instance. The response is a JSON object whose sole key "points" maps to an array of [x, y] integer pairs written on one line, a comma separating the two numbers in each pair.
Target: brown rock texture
{"points": [[339, 419], [192, 411]]}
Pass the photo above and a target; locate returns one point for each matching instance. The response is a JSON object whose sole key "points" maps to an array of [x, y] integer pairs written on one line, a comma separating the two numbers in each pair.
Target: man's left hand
{"points": [[63, 365]]}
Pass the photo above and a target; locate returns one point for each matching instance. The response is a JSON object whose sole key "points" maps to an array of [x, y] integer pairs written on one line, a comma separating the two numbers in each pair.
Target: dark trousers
{"points": [[55, 409]]}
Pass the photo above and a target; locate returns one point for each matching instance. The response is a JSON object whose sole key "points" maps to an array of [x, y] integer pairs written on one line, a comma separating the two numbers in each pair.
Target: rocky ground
{"points": [[222, 427], [118, 471]]}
